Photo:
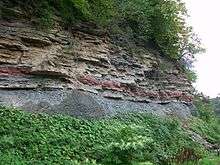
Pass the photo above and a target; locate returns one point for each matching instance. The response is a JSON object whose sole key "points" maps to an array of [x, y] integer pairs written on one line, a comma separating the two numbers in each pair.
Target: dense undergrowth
{"points": [[159, 22], [137, 139], [207, 124]]}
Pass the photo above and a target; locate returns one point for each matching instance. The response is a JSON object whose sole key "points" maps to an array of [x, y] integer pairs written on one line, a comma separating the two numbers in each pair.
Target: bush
{"points": [[161, 23], [211, 160], [209, 131], [206, 124], [136, 139], [205, 108], [191, 75]]}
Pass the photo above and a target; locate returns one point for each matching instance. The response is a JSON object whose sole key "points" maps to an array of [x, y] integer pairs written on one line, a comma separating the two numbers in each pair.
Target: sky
{"points": [[205, 19]]}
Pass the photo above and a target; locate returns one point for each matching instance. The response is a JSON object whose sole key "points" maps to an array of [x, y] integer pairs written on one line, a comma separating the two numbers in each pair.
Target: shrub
{"points": [[205, 108], [73, 10], [209, 131], [211, 160], [161, 23], [191, 75], [136, 139], [207, 124]]}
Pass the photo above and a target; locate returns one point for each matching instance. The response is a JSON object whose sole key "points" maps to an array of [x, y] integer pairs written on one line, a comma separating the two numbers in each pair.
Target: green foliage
{"points": [[73, 10], [214, 160], [137, 139], [163, 23], [204, 108], [207, 125], [130, 145], [168, 35], [216, 104], [208, 130], [191, 75], [103, 11], [211, 160], [160, 22], [136, 15], [44, 13]]}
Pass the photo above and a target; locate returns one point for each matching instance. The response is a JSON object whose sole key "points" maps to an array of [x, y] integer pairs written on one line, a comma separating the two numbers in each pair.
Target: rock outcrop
{"points": [[85, 74]]}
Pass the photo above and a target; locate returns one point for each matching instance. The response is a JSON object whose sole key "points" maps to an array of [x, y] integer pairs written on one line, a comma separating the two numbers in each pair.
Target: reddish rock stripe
{"points": [[89, 80], [186, 98], [92, 81], [135, 90], [13, 71], [112, 85]]}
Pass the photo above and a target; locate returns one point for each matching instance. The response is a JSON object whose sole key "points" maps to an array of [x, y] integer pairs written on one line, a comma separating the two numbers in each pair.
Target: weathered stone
{"points": [[81, 104], [92, 60], [111, 85], [13, 71], [88, 80], [50, 72], [125, 81], [88, 89], [14, 46], [82, 61], [144, 84], [112, 95], [152, 73], [98, 75], [35, 41], [136, 65]]}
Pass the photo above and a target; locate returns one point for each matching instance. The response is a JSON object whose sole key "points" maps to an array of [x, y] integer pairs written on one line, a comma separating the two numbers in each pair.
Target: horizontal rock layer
{"points": [[87, 105], [32, 60]]}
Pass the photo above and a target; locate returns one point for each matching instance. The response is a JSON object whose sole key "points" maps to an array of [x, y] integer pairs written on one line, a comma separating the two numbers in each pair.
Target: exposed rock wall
{"points": [[40, 67]]}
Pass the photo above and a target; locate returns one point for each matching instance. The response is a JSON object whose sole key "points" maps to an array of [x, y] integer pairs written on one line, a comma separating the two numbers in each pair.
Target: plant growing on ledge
{"points": [[161, 22]]}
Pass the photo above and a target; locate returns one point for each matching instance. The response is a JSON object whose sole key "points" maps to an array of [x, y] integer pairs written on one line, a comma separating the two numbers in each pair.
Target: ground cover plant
{"points": [[135, 139]]}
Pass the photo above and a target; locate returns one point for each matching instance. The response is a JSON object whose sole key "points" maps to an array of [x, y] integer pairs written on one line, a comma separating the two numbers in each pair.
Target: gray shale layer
{"points": [[86, 105]]}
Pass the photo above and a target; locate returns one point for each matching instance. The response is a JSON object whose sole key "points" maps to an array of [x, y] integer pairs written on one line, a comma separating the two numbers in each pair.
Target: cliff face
{"points": [[85, 74]]}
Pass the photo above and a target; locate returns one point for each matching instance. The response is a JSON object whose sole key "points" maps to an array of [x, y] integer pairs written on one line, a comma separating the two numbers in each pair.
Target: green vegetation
{"points": [[216, 104], [208, 130], [205, 108], [158, 22], [191, 75], [207, 125], [137, 139], [212, 160]]}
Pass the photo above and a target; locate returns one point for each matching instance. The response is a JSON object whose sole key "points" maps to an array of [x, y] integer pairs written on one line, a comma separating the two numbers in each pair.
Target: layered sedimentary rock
{"points": [[81, 73]]}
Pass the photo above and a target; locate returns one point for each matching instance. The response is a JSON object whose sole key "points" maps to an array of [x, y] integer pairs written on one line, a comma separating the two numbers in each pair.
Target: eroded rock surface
{"points": [[84, 74]]}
